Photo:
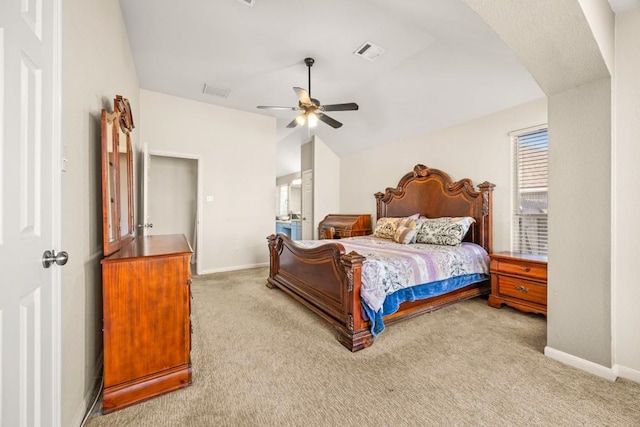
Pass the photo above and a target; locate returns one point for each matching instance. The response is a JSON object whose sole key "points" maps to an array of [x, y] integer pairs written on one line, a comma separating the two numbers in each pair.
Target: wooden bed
{"points": [[327, 280]]}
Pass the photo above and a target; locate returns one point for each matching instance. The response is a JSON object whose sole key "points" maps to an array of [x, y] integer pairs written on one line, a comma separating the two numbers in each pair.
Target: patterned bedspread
{"points": [[391, 266]]}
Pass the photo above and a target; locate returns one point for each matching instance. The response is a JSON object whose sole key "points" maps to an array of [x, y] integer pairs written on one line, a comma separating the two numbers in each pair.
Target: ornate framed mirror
{"points": [[117, 176]]}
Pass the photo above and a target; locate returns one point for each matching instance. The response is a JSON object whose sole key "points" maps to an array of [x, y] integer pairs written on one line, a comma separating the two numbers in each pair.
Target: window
{"points": [[530, 186], [283, 200]]}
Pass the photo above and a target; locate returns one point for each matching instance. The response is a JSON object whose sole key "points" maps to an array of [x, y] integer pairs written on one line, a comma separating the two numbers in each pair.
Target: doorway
{"points": [[171, 194]]}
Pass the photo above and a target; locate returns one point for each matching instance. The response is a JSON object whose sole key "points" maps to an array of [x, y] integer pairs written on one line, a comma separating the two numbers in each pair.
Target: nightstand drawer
{"points": [[519, 268], [522, 289]]}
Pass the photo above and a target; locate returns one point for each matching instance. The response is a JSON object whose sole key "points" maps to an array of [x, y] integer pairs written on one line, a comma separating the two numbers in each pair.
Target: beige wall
{"points": [[96, 65], [626, 200], [326, 183], [237, 161], [478, 149], [325, 168], [579, 294]]}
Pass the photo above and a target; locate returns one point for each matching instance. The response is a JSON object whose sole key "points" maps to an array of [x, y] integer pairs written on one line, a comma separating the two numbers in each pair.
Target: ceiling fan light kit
{"points": [[312, 119], [312, 109]]}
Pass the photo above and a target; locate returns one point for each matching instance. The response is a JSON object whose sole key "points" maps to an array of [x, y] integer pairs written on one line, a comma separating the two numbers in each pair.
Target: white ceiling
{"points": [[621, 6], [442, 64]]}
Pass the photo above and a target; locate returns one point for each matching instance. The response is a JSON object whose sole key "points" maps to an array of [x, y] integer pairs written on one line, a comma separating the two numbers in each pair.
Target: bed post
{"points": [[273, 261], [486, 229], [355, 334]]}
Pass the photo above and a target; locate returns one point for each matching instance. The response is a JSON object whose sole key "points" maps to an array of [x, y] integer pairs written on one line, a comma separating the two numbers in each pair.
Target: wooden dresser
{"points": [[147, 326], [520, 281], [340, 226]]}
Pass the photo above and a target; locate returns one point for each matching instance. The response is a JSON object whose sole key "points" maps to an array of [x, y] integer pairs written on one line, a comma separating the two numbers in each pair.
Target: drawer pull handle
{"points": [[527, 269], [522, 289]]}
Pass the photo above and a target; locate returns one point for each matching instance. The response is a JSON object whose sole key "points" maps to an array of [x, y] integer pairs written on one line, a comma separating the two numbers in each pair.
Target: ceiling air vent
{"points": [[369, 51], [248, 2], [222, 92]]}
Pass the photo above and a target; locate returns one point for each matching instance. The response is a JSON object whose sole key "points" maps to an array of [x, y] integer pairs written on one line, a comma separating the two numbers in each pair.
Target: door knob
{"points": [[50, 257]]}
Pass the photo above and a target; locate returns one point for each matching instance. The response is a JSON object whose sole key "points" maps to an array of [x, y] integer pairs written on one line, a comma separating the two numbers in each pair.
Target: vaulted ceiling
{"points": [[441, 63]]}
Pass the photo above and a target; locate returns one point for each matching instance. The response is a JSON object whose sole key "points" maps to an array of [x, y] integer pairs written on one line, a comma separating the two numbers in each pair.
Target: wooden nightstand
{"points": [[520, 281]]}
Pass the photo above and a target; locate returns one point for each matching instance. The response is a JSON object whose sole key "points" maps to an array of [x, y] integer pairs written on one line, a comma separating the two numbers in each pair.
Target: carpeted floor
{"points": [[262, 359]]}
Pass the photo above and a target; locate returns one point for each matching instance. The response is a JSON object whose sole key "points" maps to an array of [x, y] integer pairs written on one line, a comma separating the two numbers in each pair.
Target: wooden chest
{"points": [[520, 281], [339, 225]]}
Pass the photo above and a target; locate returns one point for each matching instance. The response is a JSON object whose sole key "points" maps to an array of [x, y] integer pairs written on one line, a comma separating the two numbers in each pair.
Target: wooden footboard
{"points": [[326, 280]]}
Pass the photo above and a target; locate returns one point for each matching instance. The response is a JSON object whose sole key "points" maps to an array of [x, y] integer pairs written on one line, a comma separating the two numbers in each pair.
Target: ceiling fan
{"points": [[312, 109]]}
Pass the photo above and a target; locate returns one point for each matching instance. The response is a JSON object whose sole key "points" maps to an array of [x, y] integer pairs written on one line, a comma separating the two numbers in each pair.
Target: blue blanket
{"points": [[392, 301]]}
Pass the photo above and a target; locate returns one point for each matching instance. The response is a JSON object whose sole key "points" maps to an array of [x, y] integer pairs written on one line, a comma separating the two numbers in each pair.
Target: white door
{"points": [[30, 193], [307, 205]]}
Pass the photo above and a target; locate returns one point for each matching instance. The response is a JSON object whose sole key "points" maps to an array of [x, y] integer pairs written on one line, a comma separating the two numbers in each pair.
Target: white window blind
{"points": [[529, 228]]}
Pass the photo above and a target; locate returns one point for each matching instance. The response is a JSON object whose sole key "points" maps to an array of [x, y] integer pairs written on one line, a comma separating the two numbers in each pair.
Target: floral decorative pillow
{"points": [[386, 227], [444, 231]]}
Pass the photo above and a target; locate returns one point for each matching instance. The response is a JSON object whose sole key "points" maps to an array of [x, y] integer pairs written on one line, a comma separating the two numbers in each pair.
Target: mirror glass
{"points": [[109, 130], [125, 183]]}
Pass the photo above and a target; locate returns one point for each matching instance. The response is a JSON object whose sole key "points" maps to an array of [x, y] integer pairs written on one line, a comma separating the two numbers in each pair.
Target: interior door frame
{"points": [[306, 206], [198, 159], [59, 166]]}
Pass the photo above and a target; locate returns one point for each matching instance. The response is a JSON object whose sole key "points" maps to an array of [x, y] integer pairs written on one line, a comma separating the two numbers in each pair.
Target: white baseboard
{"points": [[91, 395], [234, 268], [627, 373], [582, 364]]}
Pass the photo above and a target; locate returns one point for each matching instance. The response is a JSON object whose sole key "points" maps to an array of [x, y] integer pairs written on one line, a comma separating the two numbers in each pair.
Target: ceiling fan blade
{"points": [[349, 106], [328, 120], [303, 96], [269, 107], [294, 122]]}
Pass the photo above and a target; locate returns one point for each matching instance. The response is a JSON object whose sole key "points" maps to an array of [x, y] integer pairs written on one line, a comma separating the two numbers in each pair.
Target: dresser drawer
{"points": [[522, 289], [519, 268]]}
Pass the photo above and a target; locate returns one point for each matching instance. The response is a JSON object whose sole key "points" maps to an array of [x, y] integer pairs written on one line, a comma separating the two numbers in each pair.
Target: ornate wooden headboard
{"points": [[432, 193]]}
